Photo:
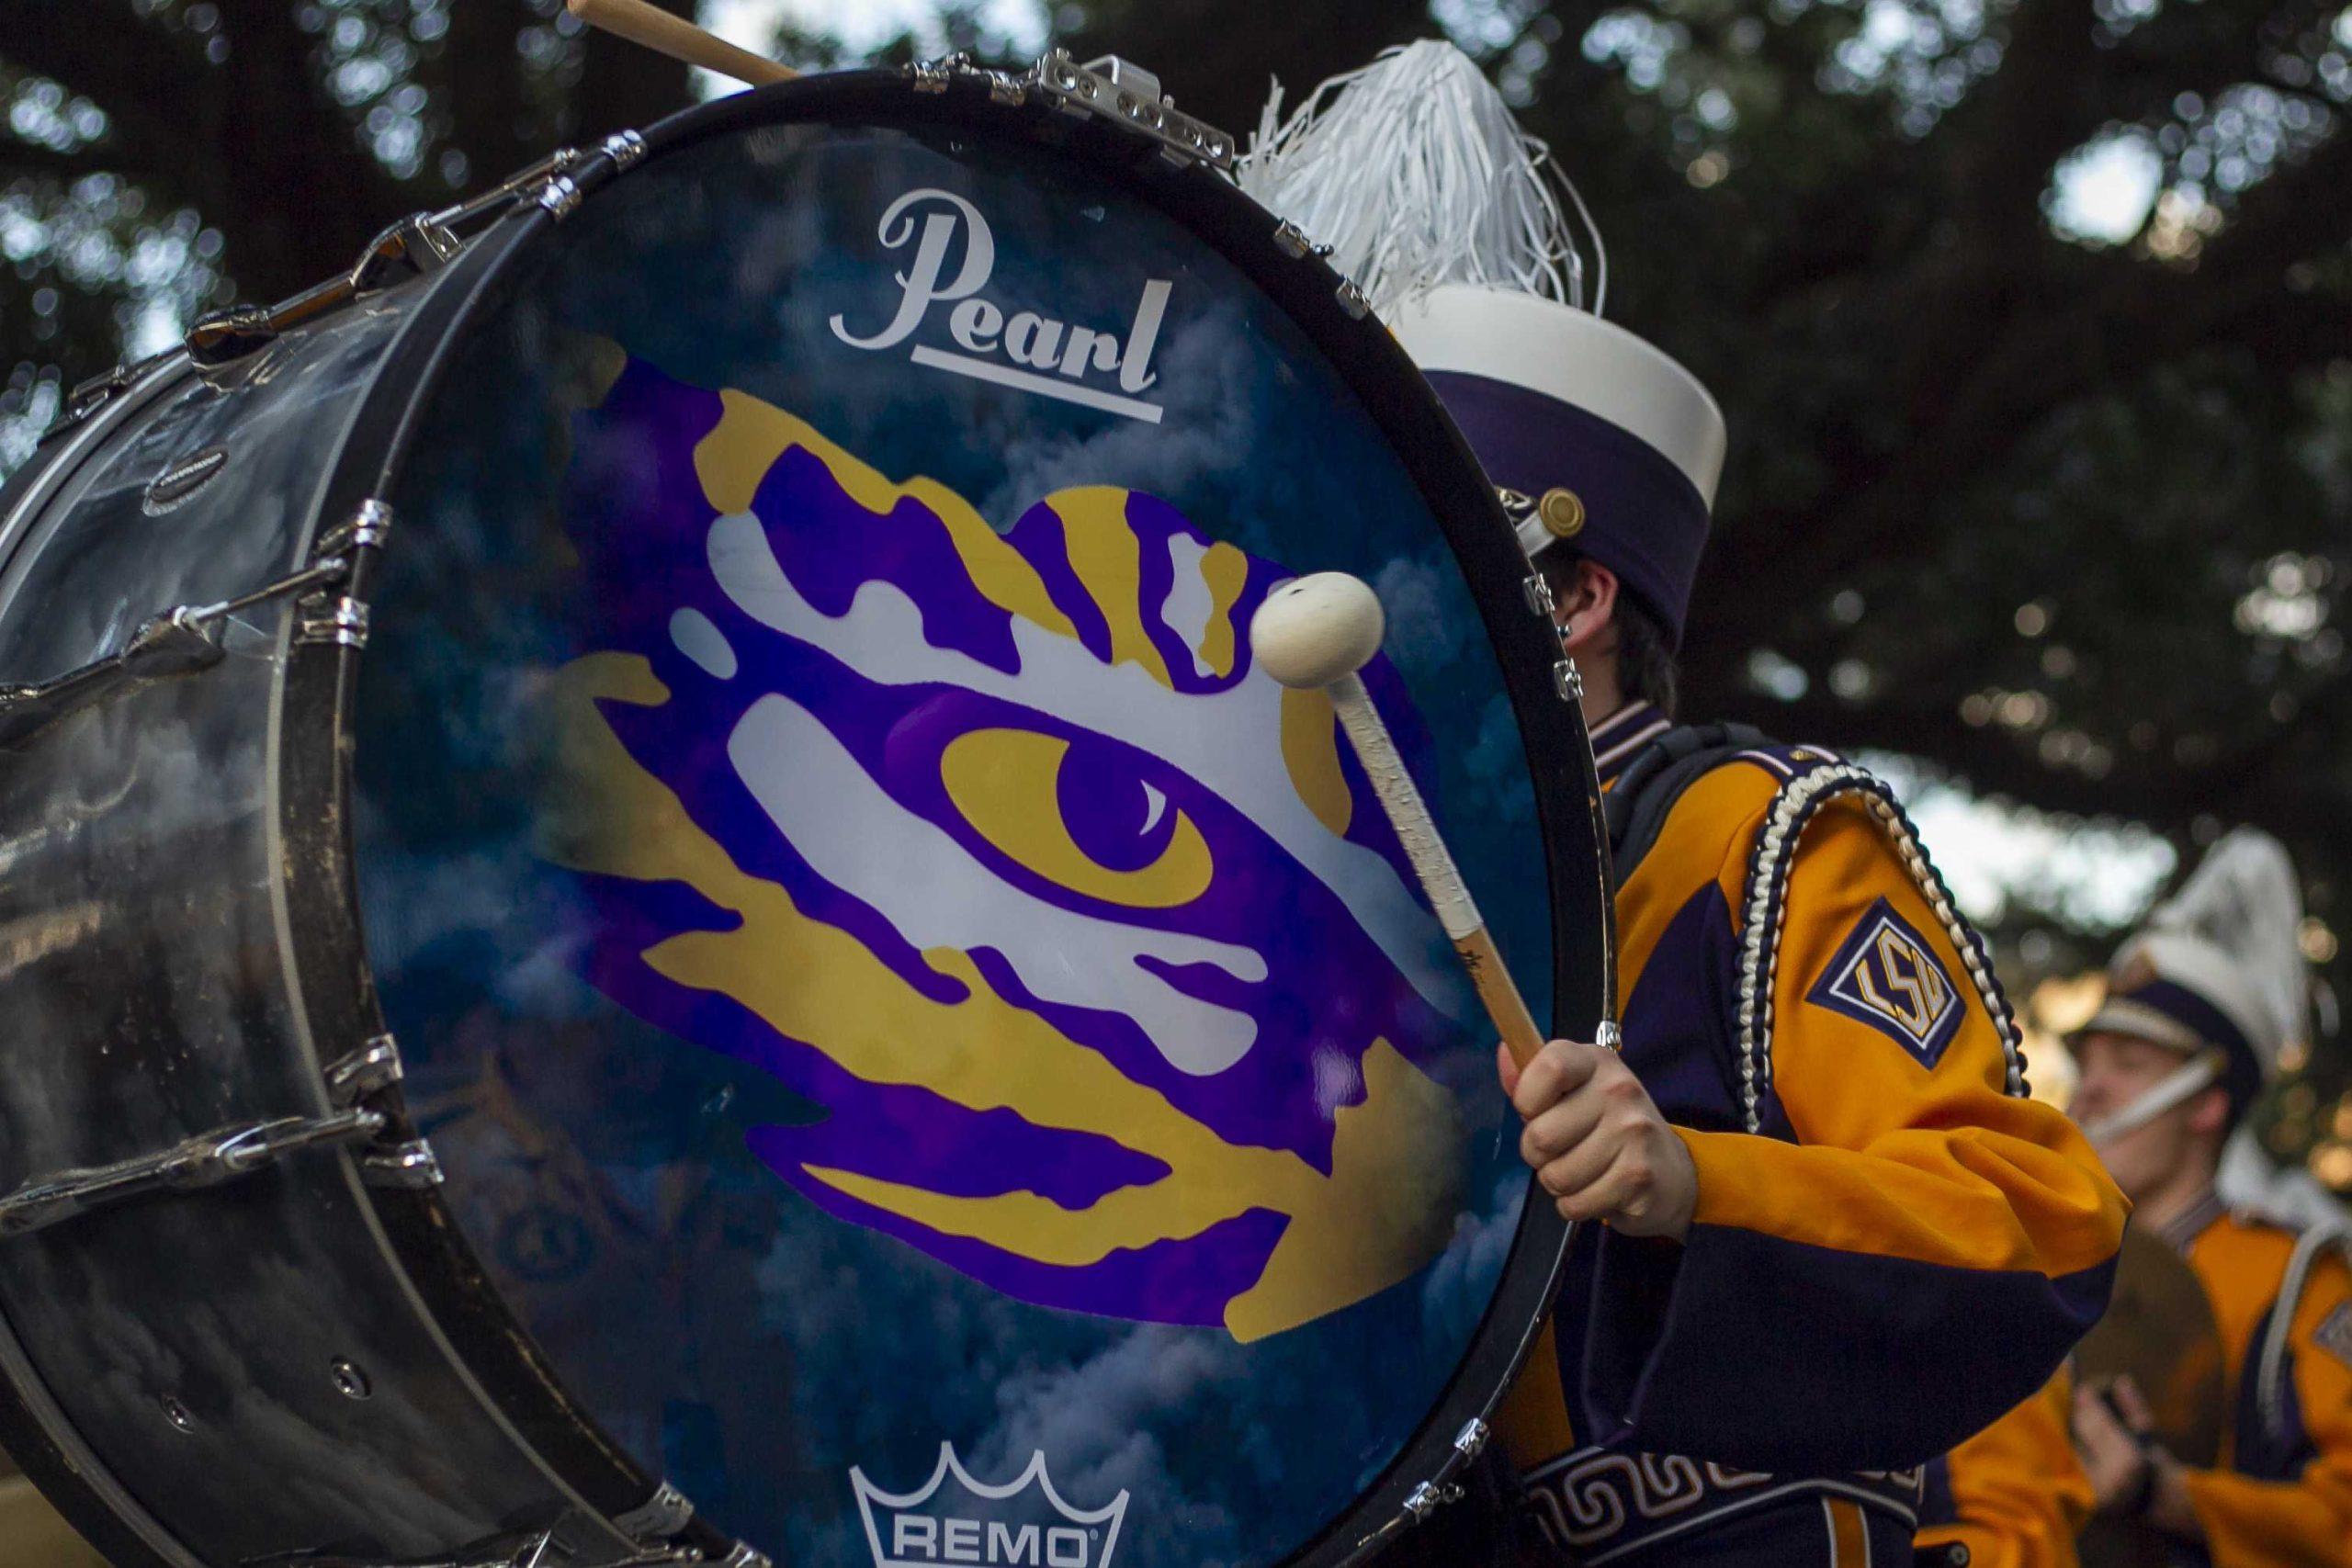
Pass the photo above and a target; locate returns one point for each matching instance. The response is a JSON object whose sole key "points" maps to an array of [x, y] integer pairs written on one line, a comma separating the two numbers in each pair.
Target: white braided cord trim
{"points": [[2270, 1383], [1766, 905]]}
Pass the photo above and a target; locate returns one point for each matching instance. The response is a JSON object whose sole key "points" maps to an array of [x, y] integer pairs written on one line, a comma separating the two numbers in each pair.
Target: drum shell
{"points": [[428, 1299], [153, 994]]}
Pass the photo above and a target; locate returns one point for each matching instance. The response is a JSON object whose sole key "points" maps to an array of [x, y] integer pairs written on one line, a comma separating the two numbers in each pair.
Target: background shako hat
{"points": [[1455, 224], [2220, 963]]}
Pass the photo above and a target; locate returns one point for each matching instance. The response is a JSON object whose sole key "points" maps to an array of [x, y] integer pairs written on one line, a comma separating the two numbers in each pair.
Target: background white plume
{"points": [[1414, 172], [2244, 904]]}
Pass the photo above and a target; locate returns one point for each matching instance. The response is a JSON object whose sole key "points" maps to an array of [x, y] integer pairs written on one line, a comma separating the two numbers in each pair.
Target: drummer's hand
{"points": [[1596, 1141], [2121, 1460]]}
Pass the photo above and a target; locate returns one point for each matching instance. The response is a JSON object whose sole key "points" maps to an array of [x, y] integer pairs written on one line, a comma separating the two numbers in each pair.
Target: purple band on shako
{"points": [[2242, 1079], [1644, 518]]}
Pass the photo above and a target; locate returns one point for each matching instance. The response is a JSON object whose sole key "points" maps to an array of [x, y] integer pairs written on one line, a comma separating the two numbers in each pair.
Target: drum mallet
{"points": [[1315, 633], [680, 39]]}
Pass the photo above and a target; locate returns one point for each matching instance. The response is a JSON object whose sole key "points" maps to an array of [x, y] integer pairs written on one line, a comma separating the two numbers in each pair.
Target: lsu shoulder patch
{"points": [[2333, 1334], [1885, 975]]}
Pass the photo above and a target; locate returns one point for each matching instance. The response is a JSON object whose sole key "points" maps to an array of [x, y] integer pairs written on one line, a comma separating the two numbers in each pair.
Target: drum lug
{"points": [[1292, 241], [561, 197], [1352, 301], [935, 75], [1430, 1496], [1129, 97], [1566, 681], [412, 1166], [88, 398], [1538, 592], [206, 1160], [411, 248], [341, 621], [369, 523], [370, 1070], [658, 1518], [1470, 1442]]}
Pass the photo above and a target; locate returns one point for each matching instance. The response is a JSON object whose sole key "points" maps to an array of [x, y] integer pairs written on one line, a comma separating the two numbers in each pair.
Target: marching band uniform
{"points": [[2012, 1496], [1892, 1245], [2282, 1493], [2217, 977]]}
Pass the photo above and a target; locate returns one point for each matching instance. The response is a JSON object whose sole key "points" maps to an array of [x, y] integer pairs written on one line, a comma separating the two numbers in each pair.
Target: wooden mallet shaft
{"points": [[1316, 632], [680, 39]]}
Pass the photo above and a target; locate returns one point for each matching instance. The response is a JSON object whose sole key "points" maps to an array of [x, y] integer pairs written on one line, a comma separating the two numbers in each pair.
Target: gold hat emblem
{"points": [[1563, 512]]}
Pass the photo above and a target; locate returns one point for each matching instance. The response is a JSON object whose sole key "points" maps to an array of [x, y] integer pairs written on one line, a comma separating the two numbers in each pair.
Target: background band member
{"points": [[1835, 1237], [2199, 1004]]}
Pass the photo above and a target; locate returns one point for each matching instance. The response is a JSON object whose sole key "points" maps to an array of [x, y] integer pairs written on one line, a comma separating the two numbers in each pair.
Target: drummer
{"points": [[1837, 1237], [2199, 1004]]}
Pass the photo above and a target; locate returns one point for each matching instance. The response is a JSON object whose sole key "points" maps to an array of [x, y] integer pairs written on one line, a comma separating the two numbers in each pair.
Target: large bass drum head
{"points": [[944, 1056]]}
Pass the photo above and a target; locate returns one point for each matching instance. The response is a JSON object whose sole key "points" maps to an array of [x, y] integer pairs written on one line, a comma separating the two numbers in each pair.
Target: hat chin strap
{"points": [[2199, 1072]]}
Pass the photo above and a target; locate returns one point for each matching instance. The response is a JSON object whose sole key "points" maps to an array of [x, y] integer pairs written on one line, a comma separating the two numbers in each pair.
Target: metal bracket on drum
{"points": [[180, 641], [658, 1518], [1127, 95], [1110, 88], [1442, 1488], [416, 244], [367, 528], [370, 1070], [206, 1160], [534, 1552]]}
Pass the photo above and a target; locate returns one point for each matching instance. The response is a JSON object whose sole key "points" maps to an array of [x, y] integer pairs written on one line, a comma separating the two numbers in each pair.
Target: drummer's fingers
{"points": [[2094, 1422], [1566, 1155], [1560, 1130], [2133, 1404], [1506, 1068], [1620, 1188], [1558, 1071]]}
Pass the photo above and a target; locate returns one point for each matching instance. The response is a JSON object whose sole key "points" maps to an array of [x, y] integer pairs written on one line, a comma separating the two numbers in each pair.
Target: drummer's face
{"points": [[2116, 1071]]}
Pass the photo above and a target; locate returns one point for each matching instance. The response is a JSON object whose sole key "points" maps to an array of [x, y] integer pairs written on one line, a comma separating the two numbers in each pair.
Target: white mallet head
{"points": [[1314, 630]]}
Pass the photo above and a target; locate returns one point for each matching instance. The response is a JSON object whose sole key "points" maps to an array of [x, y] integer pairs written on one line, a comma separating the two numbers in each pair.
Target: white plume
{"points": [[1413, 170], [2243, 902]]}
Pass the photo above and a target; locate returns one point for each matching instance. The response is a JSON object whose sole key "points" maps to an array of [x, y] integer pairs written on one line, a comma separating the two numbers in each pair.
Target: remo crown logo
{"points": [[953, 1519]]}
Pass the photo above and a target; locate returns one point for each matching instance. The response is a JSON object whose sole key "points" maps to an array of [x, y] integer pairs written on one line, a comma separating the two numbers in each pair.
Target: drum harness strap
{"points": [[1646, 794]]}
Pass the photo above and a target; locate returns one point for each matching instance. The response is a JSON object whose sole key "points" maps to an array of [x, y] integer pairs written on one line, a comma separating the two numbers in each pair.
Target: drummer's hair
{"points": [[1645, 667]]}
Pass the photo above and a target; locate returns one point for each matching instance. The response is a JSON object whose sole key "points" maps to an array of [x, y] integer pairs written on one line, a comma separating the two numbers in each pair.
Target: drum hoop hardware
{"points": [[664, 1514], [370, 1070], [368, 525], [1110, 88], [341, 621], [416, 244], [184, 640], [532, 1553], [205, 1160], [412, 1166]]}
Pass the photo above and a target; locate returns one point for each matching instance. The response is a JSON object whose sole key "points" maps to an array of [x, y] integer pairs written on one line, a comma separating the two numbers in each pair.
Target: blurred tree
{"points": [[2032, 318]]}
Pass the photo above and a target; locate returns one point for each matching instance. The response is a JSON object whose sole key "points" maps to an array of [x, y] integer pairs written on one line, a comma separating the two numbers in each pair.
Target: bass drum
{"points": [[800, 998]]}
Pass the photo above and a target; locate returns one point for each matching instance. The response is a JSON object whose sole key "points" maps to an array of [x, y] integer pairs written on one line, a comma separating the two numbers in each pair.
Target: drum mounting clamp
{"points": [[1127, 95], [370, 1070], [205, 1160]]}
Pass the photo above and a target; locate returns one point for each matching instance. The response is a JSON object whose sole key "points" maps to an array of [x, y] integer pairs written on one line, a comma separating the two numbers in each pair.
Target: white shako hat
{"points": [[2219, 965], [1451, 219]]}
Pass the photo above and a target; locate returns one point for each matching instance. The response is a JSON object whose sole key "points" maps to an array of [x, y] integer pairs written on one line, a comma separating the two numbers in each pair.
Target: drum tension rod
{"points": [[531, 1550], [180, 641], [206, 1160]]}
